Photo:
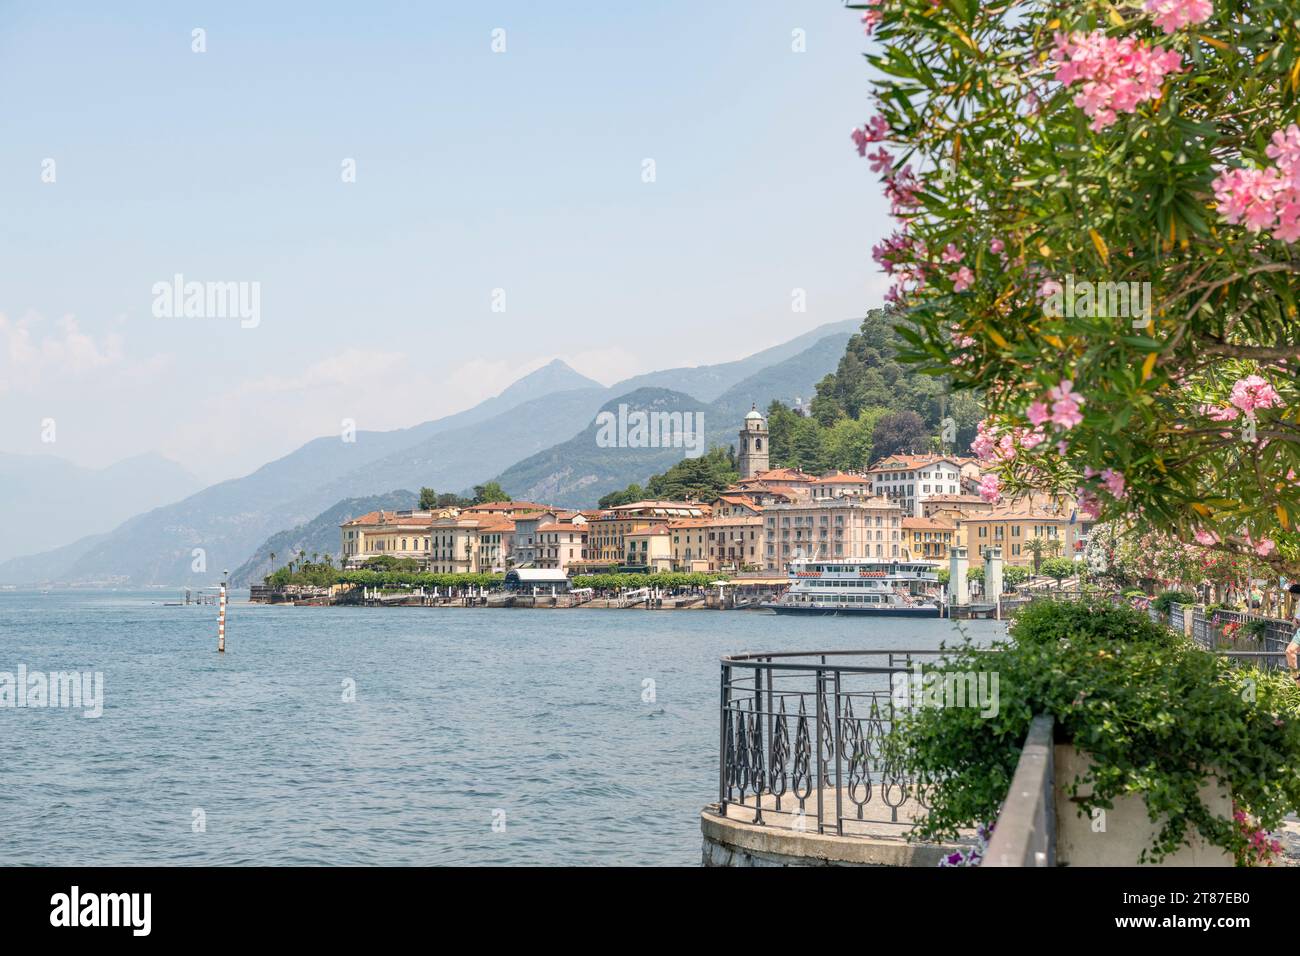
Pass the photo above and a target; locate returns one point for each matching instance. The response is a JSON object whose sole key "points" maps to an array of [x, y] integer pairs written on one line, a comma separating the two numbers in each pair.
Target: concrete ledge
{"points": [[732, 842]]}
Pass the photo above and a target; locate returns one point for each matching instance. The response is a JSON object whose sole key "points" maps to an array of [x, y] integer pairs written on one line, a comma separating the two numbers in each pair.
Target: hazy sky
{"points": [[475, 171]]}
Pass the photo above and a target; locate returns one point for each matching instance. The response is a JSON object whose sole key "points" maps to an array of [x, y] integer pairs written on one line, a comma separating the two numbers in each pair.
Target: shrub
{"points": [[1155, 714]]}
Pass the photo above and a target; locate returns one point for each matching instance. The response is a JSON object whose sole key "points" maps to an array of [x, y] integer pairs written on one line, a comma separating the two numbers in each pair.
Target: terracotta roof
{"points": [[784, 474], [928, 524], [910, 462], [496, 506], [562, 526], [692, 522], [654, 529], [842, 478]]}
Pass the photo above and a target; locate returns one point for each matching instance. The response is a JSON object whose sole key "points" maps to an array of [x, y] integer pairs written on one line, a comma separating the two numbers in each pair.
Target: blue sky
{"points": [[475, 171]]}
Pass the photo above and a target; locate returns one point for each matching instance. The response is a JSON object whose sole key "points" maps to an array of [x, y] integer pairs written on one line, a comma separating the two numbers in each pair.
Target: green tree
{"points": [[1058, 568], [489, 491], [428, 499]]}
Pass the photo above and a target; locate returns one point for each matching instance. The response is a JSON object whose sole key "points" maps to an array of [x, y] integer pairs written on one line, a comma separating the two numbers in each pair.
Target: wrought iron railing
{"points": [[1266, 647], [801, 740]]}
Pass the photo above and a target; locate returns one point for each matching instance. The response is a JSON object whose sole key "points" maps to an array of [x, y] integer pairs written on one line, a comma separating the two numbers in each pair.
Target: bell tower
{"points": [[753, 444]]}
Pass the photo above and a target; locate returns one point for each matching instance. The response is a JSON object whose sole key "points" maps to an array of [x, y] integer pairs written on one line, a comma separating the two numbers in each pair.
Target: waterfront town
{"points": [[905, 507]]}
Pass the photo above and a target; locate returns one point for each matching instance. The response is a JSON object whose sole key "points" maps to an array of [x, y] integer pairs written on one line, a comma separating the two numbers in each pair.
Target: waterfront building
{"points": [[928, 539], [397, 534], [470, 544], [648, 550], [527, 528], [607, 533], [849, 527], [754, 450], [1011, 526], [689, 543], [559, 544], [735, 542], [911, 479]]}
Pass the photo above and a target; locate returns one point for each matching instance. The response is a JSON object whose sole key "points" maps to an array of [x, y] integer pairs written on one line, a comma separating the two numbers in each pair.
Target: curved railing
{"points": [[801, 740]]}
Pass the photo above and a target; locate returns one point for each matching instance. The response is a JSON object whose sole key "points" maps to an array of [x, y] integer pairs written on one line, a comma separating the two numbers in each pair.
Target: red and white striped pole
{"points": [[221, 618]]}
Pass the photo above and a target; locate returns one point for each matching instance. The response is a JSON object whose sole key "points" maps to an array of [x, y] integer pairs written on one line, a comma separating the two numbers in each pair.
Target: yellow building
{"points": [[470, 544], [928, 539], [397, 534], [607, 533], [1012, 526], [649, 549]]}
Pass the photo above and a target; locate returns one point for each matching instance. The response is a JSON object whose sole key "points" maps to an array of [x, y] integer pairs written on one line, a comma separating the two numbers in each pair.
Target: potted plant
{"points": [[1153, 733]]}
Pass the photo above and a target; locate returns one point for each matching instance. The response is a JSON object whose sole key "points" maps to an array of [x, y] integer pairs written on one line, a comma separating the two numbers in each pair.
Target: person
{"points": [[1293, 649]]}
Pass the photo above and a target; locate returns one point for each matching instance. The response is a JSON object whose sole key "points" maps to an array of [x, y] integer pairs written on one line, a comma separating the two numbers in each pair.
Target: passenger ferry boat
{"points": [[889, 588]]}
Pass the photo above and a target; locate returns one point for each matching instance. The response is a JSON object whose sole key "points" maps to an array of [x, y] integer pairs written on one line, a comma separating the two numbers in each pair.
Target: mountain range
{"points": [[536, 437]]}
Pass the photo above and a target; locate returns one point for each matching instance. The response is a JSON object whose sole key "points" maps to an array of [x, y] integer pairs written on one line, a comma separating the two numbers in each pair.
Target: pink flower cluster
{"points": [[1172, 15], [871, 16], [1253, 392], [1263, 846], [1001, 444], [991, 489], [1118, 73], [1064, 410], [1269, 198], [875, 130]]}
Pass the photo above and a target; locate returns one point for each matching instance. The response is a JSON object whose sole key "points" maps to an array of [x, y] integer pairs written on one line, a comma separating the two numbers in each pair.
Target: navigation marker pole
{"points": [[221, 616]]}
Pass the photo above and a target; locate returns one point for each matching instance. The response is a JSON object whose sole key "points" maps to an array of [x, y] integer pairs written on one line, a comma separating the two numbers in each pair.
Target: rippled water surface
{"points": [[459, 713]]}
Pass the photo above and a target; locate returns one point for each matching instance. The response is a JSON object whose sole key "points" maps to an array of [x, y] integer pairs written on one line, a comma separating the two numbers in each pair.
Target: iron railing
{"points": [[1266, 649], [801, 740]]}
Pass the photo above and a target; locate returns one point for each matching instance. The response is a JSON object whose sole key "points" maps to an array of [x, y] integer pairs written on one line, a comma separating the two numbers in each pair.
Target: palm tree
{"points": [[272, 560], [1036, 547]]}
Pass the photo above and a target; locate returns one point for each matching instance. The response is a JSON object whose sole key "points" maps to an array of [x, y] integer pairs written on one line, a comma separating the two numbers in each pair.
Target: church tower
{"points": [[753, 444]]}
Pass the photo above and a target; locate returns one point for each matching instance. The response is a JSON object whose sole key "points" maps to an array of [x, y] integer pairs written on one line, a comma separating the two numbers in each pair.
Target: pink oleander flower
{"points": [[871, 17], [1206, 538], [1285, 152], [996, 247], [990, 489], [1114, 482], [1253, 392], [1118, 73], [1049, 288], [1263, 547], [900, 190], [962, 279], [880, 160], [1089, 503], [1065, 405], [1037, 413], [1220, 413], [952, 254], [1265, 199], [1173, 15]]}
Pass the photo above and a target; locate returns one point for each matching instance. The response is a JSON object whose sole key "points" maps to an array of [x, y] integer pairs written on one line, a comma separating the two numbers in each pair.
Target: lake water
{"points": [[534, 719]]}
